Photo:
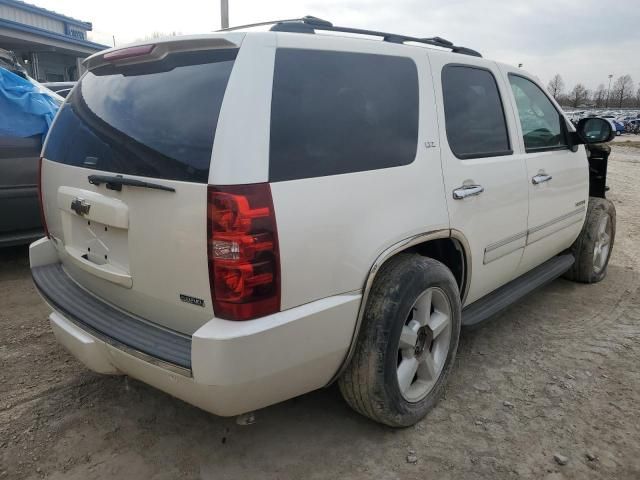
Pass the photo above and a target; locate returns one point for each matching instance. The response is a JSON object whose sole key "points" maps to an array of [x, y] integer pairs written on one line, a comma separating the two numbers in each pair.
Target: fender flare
{"points": [[386, 255]]}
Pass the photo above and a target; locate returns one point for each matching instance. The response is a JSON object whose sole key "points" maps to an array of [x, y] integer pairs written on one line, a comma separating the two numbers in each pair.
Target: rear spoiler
{"points": [[158, 49]]}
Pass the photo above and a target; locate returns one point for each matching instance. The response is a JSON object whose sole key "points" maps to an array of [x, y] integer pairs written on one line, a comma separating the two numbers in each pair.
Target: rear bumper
{"points": [[230, 367]]}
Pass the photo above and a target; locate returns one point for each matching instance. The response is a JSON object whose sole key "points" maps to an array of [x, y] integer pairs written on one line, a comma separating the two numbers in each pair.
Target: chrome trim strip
{"points": [[491, 253], [506, 241], [555, 220], [527, 234], [492, 257], [551, 232]]}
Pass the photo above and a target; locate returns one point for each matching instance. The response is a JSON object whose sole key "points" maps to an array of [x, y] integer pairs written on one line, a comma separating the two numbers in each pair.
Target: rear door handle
{"points": [[467, 191], [541, 178]]}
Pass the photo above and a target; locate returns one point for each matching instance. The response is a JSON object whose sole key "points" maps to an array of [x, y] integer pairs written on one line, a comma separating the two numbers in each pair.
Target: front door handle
{"points": [[467, 191], [541, 178]]}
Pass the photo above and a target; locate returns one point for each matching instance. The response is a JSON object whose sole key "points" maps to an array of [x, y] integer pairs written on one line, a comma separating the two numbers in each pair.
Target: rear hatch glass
{"points": [[154, 119]]}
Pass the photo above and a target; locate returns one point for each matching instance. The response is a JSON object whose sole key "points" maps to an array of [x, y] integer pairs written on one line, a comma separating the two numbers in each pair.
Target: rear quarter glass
{"points": [[341, 112], [154, 119]]}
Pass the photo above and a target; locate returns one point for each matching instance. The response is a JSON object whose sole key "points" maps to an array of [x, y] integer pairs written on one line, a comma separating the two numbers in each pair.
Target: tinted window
{"points": [[134, 120], [473, 113], [335, 112], [540, 121]]}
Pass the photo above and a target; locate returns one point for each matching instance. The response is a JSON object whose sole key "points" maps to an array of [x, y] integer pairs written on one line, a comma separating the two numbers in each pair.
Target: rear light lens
{"points": [[42, 217], [244, 261]]}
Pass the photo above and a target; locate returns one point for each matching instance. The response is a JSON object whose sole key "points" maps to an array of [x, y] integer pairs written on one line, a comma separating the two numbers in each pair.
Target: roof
{"points": [[47, 13]]}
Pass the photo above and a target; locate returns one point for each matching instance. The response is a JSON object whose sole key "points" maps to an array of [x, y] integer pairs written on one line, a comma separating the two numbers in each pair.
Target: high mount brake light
{"points": [[244, 261], [129, 52]]}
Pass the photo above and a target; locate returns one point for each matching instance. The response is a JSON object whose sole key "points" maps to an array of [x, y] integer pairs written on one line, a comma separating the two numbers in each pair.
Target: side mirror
{"points": [[594, 130]]}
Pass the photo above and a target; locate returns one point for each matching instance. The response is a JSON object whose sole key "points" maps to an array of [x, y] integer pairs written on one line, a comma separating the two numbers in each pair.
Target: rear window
{"points": [[474, 116], [341, 112], [151, 119]]}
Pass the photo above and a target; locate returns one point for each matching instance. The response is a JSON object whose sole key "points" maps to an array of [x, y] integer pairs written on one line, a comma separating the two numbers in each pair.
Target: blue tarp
{"points": [[24, 109]]}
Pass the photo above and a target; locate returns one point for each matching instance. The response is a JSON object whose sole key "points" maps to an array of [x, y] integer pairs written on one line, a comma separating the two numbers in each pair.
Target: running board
{"points": [[513, 291]]}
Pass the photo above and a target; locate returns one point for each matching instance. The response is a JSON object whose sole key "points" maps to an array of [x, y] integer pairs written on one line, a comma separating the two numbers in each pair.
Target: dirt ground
{"points": [[558, 373]]}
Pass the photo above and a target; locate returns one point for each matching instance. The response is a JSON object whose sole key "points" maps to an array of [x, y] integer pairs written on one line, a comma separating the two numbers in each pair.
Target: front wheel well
{"points": [[598, 156]]}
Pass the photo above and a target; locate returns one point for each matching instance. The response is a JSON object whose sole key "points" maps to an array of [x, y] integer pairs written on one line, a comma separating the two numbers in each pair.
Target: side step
{"points": [[516, 289]]}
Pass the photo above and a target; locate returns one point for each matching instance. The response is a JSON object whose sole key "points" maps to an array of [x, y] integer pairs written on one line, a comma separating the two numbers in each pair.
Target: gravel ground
{"points": [[549, 389]]}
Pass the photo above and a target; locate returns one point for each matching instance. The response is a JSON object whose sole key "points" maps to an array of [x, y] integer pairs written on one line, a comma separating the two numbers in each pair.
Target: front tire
{"points": [[592, 249], [407, 344]]}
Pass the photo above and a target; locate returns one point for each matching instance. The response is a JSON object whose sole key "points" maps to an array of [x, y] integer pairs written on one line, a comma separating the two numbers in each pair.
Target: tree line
{"points": [[622, 94]]}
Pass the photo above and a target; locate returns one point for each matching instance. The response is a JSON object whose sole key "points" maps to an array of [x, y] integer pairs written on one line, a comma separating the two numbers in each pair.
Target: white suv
{"points": [[240, 218]]}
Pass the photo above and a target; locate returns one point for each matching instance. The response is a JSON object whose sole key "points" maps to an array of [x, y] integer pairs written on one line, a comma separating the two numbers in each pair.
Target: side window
{"points": [[473, 111], [540, 121], [341, 112]]}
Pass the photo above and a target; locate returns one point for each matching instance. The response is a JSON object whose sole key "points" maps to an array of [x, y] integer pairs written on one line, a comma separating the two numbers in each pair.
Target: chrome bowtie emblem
{"points": [[79, 206]]}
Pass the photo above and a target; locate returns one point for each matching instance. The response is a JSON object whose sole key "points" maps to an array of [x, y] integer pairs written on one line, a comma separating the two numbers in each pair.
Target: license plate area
{"points": [[99, 243], [96, 236]]}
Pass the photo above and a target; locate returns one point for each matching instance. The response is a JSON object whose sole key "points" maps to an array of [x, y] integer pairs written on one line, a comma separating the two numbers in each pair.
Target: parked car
{"points": [[617, 126], [632, 126], [61, 88], [306, 209], [24, 104]]}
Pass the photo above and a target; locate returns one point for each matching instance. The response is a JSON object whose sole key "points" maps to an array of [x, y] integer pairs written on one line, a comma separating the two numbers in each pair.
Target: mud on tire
{"points": [[371, 382], [591, 257]]}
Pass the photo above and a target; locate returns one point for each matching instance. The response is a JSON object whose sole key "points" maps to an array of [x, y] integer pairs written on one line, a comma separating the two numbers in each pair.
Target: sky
{"points": [[582, 40]]}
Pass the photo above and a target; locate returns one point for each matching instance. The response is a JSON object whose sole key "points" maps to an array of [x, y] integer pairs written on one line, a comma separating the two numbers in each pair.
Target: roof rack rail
{"points": [[259, 24], [310, 24]]}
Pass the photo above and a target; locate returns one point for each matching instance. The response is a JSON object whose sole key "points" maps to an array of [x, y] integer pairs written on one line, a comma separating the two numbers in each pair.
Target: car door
{"points": [[485, 183], [19, 211], [558, 177]]}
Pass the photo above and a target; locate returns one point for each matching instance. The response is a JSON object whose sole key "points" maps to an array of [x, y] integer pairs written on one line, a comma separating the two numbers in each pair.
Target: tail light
{"points": [[42, 217], [244, 262]]}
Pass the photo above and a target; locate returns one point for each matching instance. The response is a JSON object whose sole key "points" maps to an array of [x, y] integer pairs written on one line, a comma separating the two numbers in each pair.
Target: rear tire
{"points": [[407, 342], [592, 249]]}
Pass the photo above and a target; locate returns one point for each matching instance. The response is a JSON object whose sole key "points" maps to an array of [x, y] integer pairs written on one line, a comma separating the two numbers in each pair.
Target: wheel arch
{"points": [[448, 246]]}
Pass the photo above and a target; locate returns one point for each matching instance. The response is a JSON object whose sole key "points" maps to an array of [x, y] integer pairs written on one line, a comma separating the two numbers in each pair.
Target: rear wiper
{"points": [[115, 182]]}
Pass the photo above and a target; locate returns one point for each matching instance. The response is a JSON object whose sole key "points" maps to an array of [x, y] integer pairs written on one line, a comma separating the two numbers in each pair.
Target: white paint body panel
{"points": [[163, 250], [331, 229], [241, 147]]}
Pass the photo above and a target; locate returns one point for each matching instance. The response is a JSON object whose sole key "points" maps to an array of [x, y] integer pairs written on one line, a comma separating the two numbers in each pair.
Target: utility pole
{"points": [[224, 13], [608, 92]]}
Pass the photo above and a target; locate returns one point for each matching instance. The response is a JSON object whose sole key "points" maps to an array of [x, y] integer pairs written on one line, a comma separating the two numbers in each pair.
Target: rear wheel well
{"points": [[448, 251]]}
